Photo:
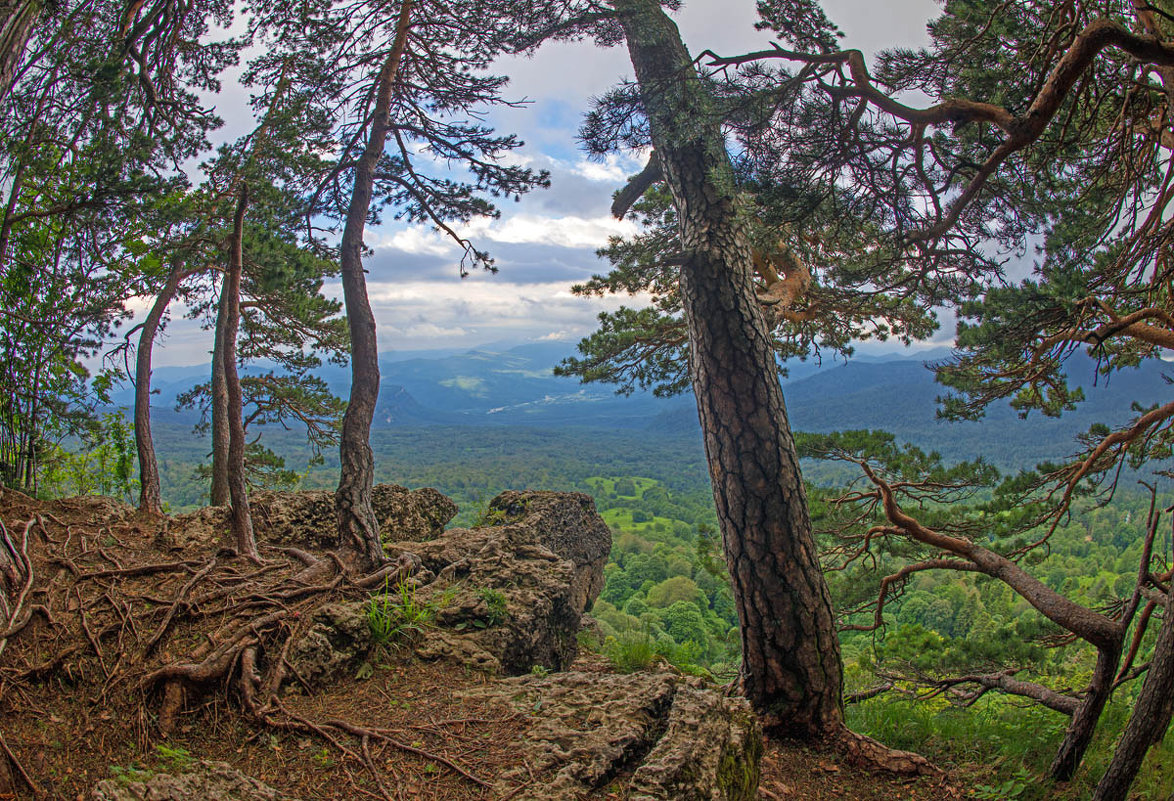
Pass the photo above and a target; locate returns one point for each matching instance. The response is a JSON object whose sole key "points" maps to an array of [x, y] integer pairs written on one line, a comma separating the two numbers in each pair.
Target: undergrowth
{"points": [[1010, 742], [396, 614], [630, 651]]}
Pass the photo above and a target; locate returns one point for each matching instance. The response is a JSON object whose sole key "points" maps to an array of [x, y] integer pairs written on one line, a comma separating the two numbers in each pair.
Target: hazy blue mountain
{"points": [[901, 396], [501, 385]]}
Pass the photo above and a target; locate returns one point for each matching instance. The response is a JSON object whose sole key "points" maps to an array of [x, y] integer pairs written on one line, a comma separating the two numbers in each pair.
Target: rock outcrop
{"points": [[308, 518], [212, 781], [568, 525], [664, 736], [507, 597], [518, 586]]}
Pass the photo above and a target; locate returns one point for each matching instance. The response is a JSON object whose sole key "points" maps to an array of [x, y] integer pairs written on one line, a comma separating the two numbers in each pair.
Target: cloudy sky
{"points": [[547, 242]]}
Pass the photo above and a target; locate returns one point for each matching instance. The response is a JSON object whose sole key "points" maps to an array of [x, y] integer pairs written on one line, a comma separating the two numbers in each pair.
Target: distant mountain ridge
{"points": [[516, 386], [901, 396]]}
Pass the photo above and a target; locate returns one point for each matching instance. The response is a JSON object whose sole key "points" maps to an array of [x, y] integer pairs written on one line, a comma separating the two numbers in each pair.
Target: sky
{"points": [[546, 242]]}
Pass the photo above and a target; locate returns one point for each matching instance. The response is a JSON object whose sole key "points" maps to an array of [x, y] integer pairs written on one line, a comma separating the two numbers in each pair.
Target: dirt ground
{"points": [[77, 704]]}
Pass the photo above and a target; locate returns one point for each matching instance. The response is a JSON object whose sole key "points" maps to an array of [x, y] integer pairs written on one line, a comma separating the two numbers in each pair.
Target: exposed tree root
{"points": [[868, 754], [11, 765], [365, 735], [181, 631]]}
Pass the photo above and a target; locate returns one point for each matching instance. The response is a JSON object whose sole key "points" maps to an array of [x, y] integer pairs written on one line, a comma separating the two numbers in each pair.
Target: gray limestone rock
{"points": [[567, 524], [335, 645], [214, 781], [670, 737], [308, 518], [506, 598], [510, 595]]}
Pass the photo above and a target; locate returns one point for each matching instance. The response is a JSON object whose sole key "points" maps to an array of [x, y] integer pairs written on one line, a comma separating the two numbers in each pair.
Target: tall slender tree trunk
{"points": [[220, 495], [17, 18], [791, 669], [221, 436], [31, 436], [242, 521], [358, 531], [1150, 719], [150, 496]]}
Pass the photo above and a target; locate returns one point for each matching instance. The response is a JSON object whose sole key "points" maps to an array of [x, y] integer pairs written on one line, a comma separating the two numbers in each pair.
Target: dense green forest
{"points": [[998, 600], [667, 595]]}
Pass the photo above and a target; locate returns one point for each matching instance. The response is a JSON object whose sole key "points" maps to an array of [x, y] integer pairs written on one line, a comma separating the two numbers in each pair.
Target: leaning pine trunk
{"points": [[150, 497], [1084, 722], [242, 521], [1151, 716], [358, 531], [791, 669]]}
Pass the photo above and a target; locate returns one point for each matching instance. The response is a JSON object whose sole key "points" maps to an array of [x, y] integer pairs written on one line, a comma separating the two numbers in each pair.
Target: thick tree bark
{"points": [[17, 18], [1084, 720], [219, 402], [242, 522], [150, 496], [358, 531], [792, 670], [1150, 719]]}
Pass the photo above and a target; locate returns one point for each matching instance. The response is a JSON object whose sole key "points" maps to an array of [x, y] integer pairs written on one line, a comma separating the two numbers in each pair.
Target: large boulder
{"points": [[308, 518], [337, 642], [506, 597], [212, 781], [667, 736], [510, 595], [567, 524]]}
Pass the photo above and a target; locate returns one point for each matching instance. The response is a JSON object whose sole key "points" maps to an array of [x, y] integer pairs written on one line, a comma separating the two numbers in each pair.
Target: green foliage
{"points": [[495, 603], [176, 758], [130, 774], [397, 615], [104, 462], [1012, 742], [630, 651], [95, 205]]}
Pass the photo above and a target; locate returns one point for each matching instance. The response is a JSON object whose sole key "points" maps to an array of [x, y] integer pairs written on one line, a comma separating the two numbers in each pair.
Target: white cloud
{"points": [[424, 314], [568, 232], [614, 169], [415, 239]]}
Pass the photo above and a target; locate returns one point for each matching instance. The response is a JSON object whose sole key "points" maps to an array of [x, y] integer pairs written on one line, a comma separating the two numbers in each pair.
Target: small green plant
{"points": [[1010, 789], [130, 774], [631, 650], [541, 671], [487, 515], [589, 640], [322, 758], [495, 601], [395, 615], [175, 757]]}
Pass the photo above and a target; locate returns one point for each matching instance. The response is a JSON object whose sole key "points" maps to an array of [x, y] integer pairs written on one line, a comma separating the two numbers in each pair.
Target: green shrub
{"points": [[630, 651], [393, 616], [496, 603]]}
